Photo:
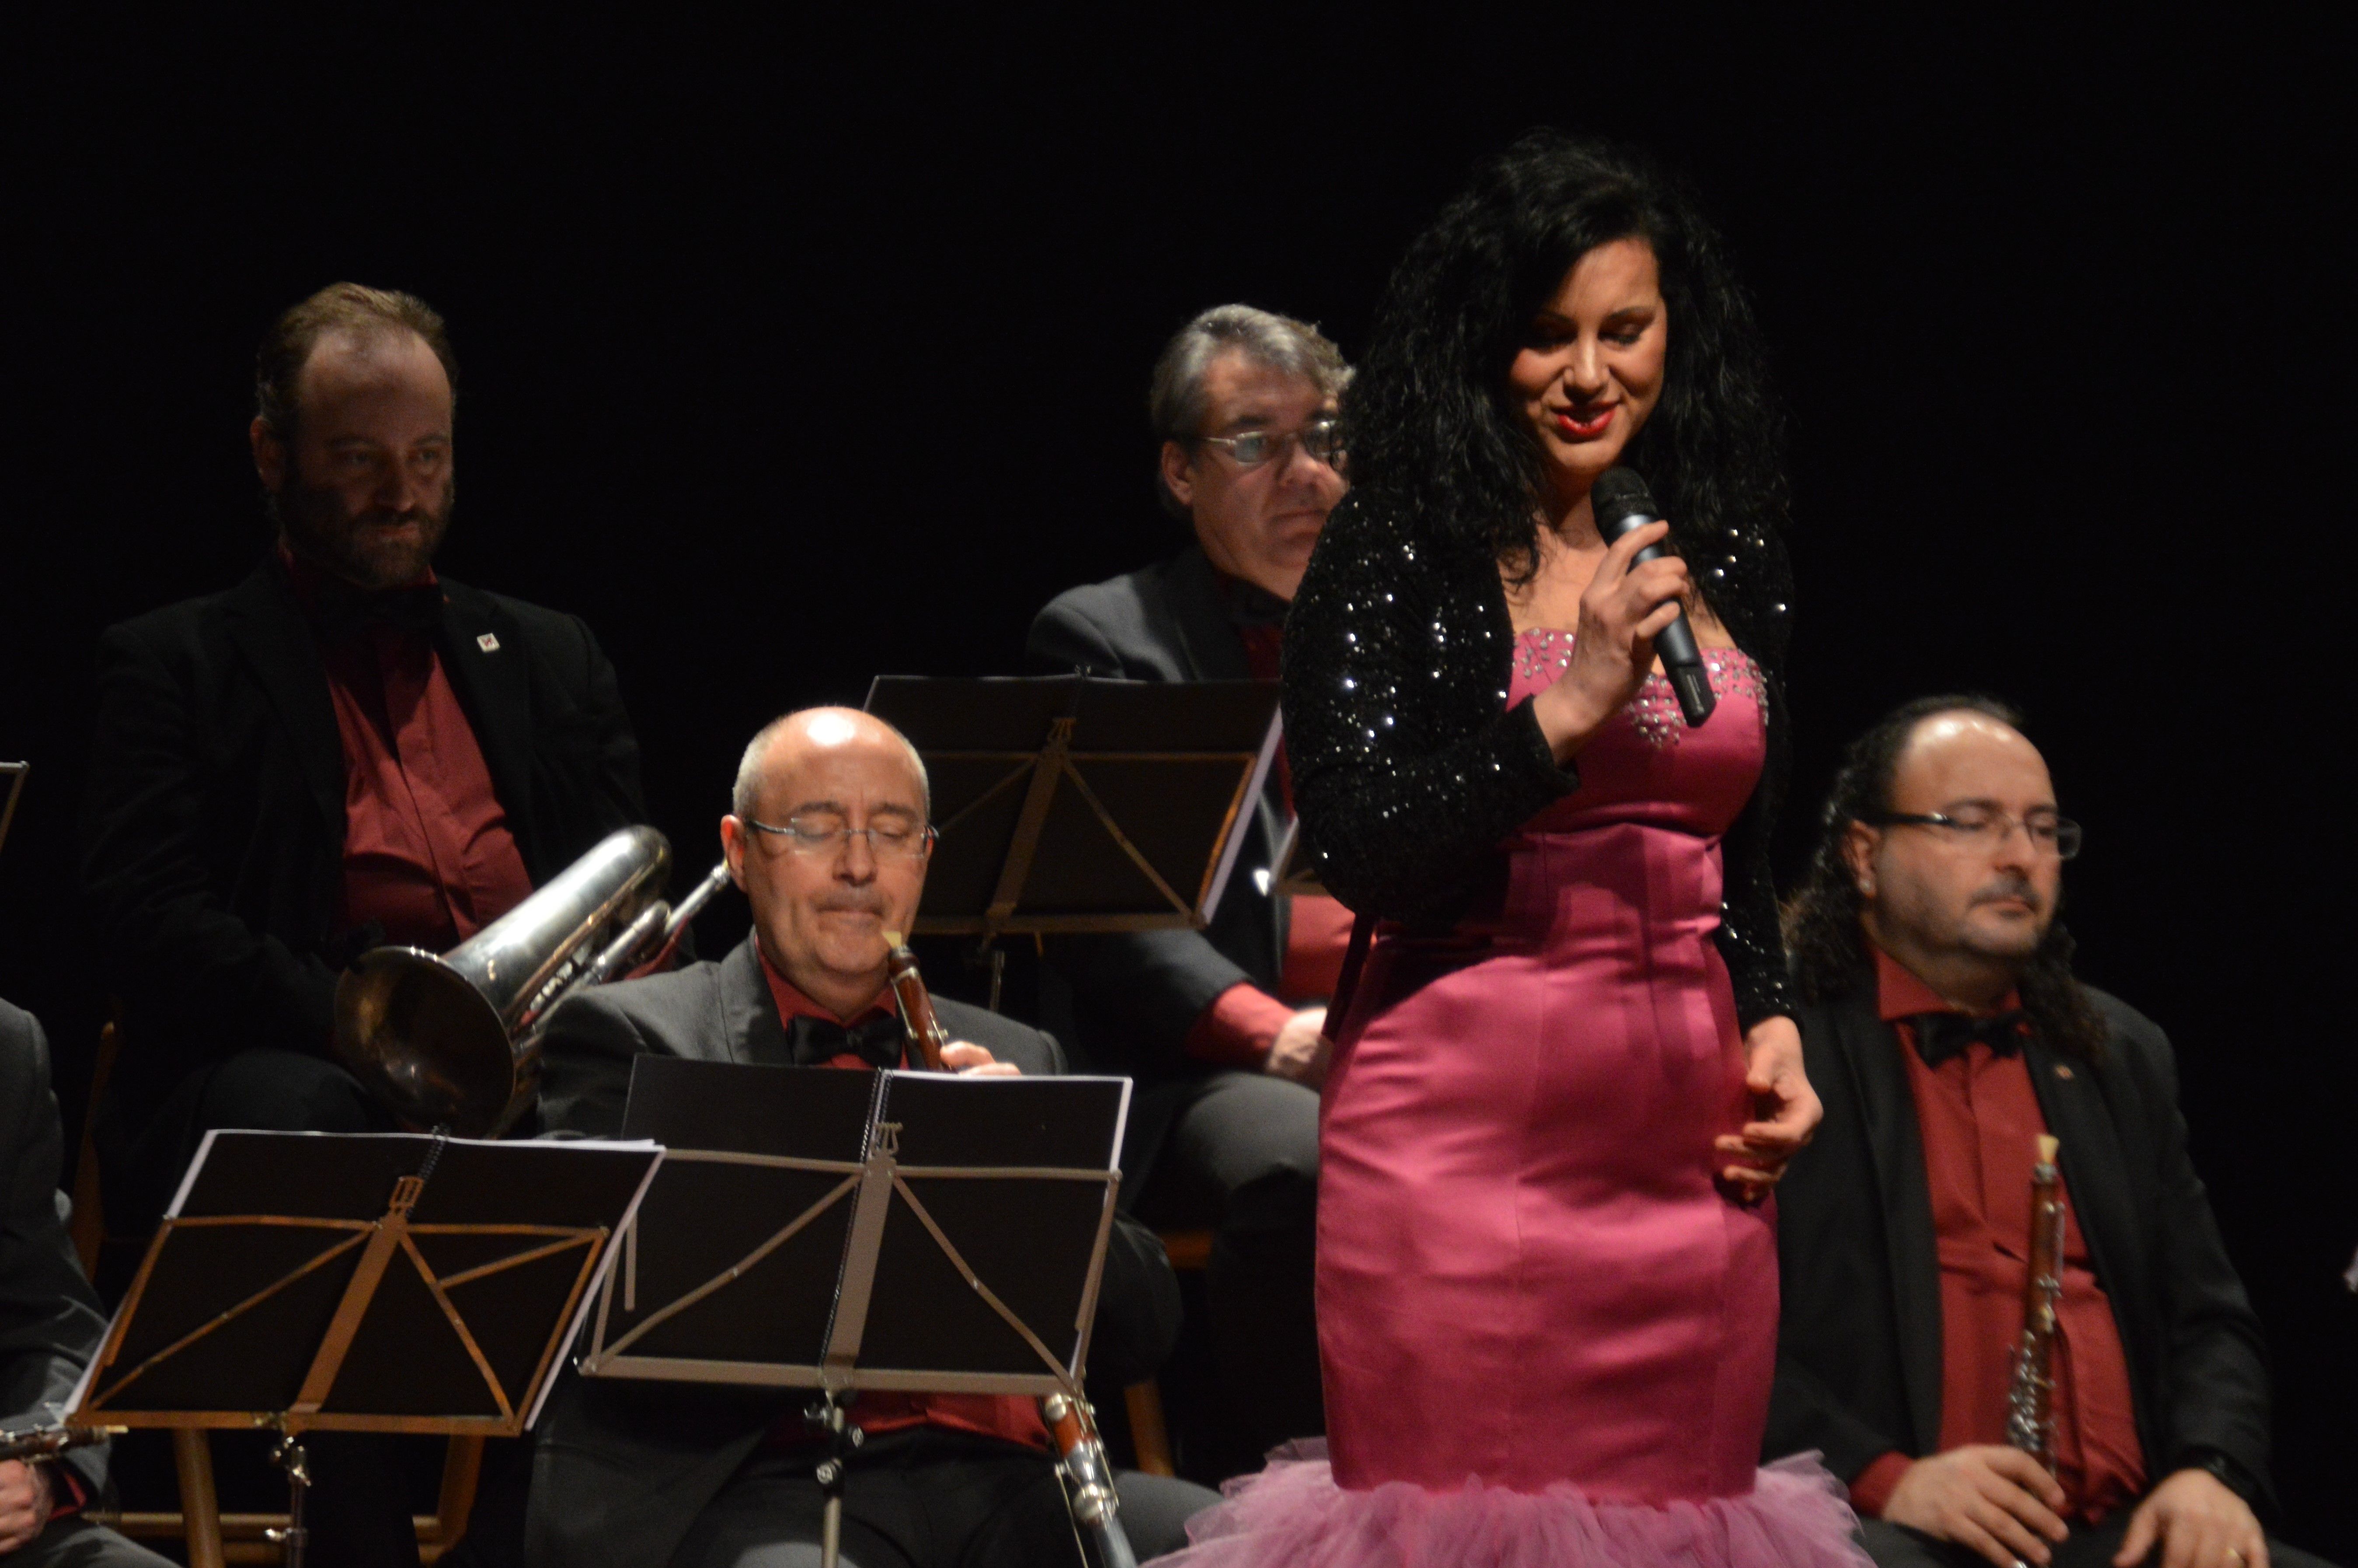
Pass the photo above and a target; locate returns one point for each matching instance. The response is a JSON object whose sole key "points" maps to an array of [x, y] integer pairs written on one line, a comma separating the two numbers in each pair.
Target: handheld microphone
{"points": [[1621, 502]]}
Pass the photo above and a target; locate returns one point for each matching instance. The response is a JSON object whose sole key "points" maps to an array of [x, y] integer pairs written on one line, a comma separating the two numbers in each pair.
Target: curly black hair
{"points": [[1428, 423], [1823, 934]]}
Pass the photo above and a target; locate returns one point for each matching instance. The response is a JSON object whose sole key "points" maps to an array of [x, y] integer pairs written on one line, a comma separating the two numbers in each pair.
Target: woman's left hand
{"points": [[1786, 1106]]}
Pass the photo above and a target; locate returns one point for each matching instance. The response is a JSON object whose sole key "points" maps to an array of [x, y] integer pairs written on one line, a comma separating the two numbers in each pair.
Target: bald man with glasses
{"points": [[829, 840]]}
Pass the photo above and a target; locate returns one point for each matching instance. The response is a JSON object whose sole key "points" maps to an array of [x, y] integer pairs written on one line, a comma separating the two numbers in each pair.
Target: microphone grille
{"points": [[1619, 493]]}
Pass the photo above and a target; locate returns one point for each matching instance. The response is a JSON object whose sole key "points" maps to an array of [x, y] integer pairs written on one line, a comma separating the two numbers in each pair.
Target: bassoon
{"points": [[1087, 1473], [2030, 1395], [916, 1003]]}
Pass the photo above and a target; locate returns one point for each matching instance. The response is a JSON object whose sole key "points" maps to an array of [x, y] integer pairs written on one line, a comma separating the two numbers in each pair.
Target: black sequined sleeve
{"points": [[1407, 768], [1749, 939]]}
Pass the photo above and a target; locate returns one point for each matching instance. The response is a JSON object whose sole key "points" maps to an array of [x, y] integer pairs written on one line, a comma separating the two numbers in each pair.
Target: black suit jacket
{"points": [[623, 1467], [1858, 1366], [213, 828], [1136, 995], [50, 1324]]}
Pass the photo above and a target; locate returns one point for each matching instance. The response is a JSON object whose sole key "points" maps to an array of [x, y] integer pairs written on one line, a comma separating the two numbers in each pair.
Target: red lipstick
{"points": [[1576, 428]]}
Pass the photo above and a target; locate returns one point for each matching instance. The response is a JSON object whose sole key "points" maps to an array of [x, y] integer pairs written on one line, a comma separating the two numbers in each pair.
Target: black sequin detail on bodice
{"points": [[1409, 769]]}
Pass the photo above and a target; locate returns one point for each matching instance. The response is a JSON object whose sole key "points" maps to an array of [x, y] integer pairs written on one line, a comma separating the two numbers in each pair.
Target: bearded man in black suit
{"points": [[344, 749], [1221, 1027], [1945, 1033], [829, 840]]}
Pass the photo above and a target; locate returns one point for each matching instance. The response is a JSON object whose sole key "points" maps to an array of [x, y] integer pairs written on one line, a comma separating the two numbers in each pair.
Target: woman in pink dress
{"points": [[1567, 1077]]}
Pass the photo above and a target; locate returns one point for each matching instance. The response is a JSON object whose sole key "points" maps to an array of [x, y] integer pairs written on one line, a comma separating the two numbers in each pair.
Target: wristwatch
{"points": [[2229, 1474]]}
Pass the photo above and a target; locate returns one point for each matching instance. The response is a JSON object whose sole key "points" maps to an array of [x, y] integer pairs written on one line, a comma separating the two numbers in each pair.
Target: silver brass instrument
{"points": [[454, 1041]]}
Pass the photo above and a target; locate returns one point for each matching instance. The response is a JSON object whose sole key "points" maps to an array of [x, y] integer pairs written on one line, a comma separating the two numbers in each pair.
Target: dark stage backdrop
{"points": [[794, 355]]}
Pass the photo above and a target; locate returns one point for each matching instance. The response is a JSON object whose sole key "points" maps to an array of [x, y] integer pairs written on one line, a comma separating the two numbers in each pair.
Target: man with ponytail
{"points": [[1944, 1029]]}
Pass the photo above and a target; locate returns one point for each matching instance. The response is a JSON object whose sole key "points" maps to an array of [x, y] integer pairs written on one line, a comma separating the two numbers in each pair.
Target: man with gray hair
{"points": [[1220, 1028]]}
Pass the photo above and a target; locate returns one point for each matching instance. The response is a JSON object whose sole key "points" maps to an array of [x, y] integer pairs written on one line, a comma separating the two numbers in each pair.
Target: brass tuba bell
{"points": [[454, 1041]]}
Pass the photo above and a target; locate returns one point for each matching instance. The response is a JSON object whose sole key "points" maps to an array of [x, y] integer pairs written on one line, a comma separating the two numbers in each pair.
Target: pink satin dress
{"points": [[1525, 1271], [1548, 1336]]}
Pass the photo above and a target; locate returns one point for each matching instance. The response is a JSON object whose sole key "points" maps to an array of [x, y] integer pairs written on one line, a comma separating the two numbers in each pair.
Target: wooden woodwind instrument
{"points": [[1088, 1476], [2031, 1396], [917, 1003], [49, 1442]]}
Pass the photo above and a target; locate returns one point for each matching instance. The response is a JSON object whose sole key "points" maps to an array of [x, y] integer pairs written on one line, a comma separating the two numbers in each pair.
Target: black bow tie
{"points": [[343, 610], [1940, 1036], [1249, 604], [816, 1042]]}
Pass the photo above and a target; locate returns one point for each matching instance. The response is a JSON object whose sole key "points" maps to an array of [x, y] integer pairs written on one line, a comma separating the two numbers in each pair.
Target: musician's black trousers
{"points": [[1241, 1158], [1897, 1546], [359, 1504], [924, 1499], [274, 1091]]}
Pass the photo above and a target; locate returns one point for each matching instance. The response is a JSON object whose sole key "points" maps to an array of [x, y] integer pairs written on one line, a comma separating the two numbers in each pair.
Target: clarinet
{"points": [[49, 1442], [2030, 1395]]}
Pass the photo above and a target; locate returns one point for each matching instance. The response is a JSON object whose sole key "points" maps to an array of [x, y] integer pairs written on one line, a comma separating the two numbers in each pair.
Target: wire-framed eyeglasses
{"points": [[1321, 439], [1986, 829], [815, 835]]}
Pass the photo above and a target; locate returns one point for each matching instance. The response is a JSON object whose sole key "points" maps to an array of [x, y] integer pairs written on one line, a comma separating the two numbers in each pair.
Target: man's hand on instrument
{"points": [[968, 1060], [1998, 1501], [2199, 1521], [1786, 1107], [25, 1503], [1299, 1053]]}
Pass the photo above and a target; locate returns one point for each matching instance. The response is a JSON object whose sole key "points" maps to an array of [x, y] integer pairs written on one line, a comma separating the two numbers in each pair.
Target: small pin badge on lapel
{"points": [[488, 642], [2062, 1071]]}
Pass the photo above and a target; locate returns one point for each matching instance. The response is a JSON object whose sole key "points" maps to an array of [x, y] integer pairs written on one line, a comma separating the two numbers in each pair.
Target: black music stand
{"points": [[362, 1282], [855, 1232], [12, 785], [1071, 804]]}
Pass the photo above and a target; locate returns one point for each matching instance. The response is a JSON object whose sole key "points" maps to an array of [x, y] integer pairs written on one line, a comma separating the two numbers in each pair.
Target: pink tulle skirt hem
{"points": [[1294, 1514]]}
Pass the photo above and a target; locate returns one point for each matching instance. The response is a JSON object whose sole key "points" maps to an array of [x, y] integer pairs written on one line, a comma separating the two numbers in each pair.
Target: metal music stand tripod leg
{"points": [[842, 1437], [289, 1455]]}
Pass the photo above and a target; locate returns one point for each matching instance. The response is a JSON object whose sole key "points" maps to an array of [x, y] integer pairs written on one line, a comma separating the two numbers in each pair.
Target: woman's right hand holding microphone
{"points": [[1622, 610]]}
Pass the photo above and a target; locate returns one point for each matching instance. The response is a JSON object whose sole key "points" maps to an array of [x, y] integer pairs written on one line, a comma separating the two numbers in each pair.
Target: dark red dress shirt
{"points": [[1242, 1022], [1980, 1116], [67, 1496], [427, 854], [1008, 1416]]}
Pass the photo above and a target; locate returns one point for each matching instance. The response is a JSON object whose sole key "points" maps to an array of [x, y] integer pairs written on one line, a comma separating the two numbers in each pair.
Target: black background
{"points": [[799, 352]]}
